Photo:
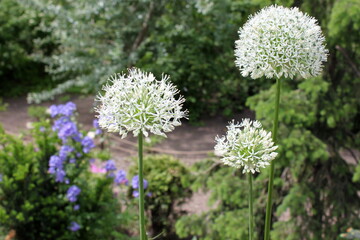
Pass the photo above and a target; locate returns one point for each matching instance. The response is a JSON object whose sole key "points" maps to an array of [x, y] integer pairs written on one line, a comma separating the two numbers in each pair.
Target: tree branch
{"points": [[352, 64], [141, 35]]}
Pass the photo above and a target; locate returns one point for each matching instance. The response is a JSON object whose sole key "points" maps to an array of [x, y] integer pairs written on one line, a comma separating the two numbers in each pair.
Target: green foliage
{"points": [[344, 18], [19, 73], [120, 34], [94, 37], [36, 207], [169, 185], [228, 201], [319, 117], [196, 49], [37, 112]]}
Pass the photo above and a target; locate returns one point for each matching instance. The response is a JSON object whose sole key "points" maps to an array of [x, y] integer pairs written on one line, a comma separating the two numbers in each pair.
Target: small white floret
{"points": [[246, 145]]}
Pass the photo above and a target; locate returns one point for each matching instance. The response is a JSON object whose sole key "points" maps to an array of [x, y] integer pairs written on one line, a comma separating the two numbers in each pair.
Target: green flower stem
{"points": [[271, 180], [141, 190], [251, 212]]}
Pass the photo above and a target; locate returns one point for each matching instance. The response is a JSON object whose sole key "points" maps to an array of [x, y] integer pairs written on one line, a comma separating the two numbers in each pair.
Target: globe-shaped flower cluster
{"points": [[137, 102], [246, 145], [280, 42]]}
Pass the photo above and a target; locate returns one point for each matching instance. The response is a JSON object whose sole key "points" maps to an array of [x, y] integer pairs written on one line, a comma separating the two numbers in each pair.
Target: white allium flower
{"points": [[246, 145], [138, 102], [278, 42]]}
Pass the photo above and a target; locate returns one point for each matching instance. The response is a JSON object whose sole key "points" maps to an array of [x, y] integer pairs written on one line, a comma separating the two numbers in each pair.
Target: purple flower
{"points": [[59, 123], [135, 194], [120, 177], [67, 130], [87, 144], [96, 125], [1, 177], [54, 110], [74, 226], [72, 160], [135, 182], [64, 151], [65, 110], [110, 166], [78, 137], [42, 129], [55, 163], [76, 207], [56, 167], [72, 193], [60, 175]]}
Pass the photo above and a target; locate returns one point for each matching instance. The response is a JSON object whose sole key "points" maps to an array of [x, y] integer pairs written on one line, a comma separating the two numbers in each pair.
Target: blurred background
{"points": [[52, 51]]}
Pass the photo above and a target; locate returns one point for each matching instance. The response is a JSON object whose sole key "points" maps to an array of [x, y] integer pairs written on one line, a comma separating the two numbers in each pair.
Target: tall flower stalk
{"points": [[251, 209], [140, 104], [141, 189], [246, 145], [279, 42], [272, 166]]}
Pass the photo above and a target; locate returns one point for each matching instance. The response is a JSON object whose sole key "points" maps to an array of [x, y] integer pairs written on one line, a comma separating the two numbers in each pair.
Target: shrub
{"points": [[227, 218], [60, 198], [200, 63], [169, 187], [19, 27]]}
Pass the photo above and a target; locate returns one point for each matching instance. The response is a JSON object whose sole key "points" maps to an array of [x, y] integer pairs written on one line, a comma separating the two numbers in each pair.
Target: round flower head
{"points": [[246, 145], [278, 42], [137, 102]]}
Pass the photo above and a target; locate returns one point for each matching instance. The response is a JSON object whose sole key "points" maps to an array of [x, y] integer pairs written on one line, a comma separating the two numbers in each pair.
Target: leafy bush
{"points": [[19, 73], [229, 203], [169, 185], [47, 191], [319, 118], [200, 63]]}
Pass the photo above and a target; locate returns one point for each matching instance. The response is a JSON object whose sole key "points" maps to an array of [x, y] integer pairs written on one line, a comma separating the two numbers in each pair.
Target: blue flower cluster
{"points": [[74, 226], [62, 109], [119, 176], [72, 193], [56, 163], [98, 130], [87, 143], [74, 146], [110, 166], [135, 185], [67, 131]]}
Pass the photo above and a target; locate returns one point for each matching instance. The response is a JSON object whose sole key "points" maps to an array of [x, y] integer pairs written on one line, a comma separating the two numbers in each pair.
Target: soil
{"points": [[187, 142]]}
